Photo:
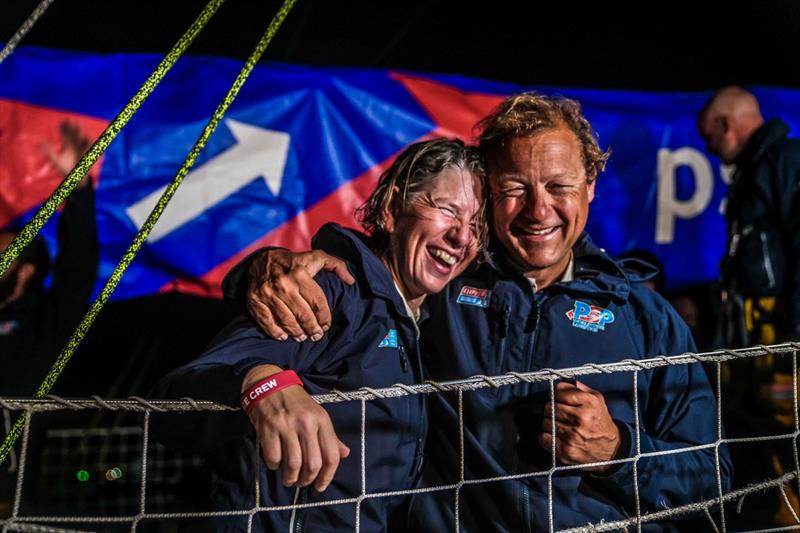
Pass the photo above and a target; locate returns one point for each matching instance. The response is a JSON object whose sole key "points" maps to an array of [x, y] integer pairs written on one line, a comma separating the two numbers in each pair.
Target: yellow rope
{"points": [[141, 236], [26, 235]]}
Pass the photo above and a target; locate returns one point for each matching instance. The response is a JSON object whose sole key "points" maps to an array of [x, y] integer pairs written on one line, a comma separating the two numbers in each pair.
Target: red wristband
{"points": [[263, 388]]}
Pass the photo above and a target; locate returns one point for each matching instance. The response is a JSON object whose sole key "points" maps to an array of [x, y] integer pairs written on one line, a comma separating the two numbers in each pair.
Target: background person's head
{"points": [[27, 272], [427, 214], [727, 122], [542, 159]]}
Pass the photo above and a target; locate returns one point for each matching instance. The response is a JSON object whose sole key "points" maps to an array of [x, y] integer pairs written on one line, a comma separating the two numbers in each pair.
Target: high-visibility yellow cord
{"points": [[71, 180], [141, 236]]}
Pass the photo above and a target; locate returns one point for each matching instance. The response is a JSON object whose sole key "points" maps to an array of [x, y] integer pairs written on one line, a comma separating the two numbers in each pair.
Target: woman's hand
{"points": [[295, 434]]}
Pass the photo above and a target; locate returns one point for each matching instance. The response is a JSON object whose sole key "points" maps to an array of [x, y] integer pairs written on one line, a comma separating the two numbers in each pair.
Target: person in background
{"points": [[760, 274], [36, 322]]}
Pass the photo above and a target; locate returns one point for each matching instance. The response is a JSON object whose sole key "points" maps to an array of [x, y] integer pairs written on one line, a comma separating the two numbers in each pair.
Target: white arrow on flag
{"points": [[258, 152]]}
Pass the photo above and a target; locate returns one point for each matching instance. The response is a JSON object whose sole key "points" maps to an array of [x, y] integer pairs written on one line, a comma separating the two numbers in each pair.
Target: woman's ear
{"points": [[392, 211]]}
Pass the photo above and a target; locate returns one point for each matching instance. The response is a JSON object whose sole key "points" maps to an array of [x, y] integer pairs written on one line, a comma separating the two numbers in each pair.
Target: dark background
{"points": [[655, 46], [660, 45], [687, 46]]}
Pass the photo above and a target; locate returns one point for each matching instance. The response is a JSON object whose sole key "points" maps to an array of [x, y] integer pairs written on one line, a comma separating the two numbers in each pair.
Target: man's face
{"points": [[540, 200], [719, 137]]}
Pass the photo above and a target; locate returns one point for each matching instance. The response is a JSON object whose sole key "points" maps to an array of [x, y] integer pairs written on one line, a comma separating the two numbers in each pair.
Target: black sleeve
{"points": [[793, 257], [785, 182], [77, 260], [217, 374], [201, 431]]}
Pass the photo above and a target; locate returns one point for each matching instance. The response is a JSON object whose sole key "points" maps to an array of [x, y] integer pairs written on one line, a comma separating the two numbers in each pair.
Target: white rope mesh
{"points": [[24, 29], [637, 435], [54, 523]]}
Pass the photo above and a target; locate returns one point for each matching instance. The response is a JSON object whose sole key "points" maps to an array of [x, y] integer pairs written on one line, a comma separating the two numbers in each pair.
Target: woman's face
{"points": [[435, 236]]}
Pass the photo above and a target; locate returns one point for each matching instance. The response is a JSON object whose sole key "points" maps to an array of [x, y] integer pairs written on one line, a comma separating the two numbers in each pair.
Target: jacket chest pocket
{"points": [[760, 260], [497, 345]]}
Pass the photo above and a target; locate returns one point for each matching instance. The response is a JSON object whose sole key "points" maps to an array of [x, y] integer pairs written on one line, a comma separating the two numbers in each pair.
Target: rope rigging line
{"points": [[144, 231], [692, 507], [23, 30], [71, 180], [31, 407], [51, 402], [35, 528], [720, 438]]}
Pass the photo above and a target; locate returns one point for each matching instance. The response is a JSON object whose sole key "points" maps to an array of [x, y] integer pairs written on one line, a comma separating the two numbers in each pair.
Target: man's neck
{"points": [[746, 130], [543, 278]]}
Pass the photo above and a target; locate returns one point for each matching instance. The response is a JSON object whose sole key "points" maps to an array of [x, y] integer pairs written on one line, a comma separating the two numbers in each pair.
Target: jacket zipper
{"points": [[537, 306], [501, 348], [526, 507], [296, 521], [423, 405], [403, 359], [767, 259], [526, 497]]}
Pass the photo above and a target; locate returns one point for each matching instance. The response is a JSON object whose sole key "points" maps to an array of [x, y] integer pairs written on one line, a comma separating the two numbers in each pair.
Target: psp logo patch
{"points": [[589, 317]]}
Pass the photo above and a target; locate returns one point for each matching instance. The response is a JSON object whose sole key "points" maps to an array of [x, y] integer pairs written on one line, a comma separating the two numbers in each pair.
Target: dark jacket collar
{"points": [[768, 134], [595, 273], [370, 272]]}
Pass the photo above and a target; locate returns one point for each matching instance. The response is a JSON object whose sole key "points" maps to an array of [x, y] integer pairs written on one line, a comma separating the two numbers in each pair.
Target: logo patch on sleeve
{"points": [[390, 340], [589, 317], [474, 296]]}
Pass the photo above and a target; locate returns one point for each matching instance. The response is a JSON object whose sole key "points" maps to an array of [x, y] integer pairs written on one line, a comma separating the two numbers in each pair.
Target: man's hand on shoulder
{"points": [[585, 431], [283, 297]]}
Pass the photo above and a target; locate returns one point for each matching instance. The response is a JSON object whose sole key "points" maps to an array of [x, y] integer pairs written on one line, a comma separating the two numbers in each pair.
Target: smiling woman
{"points": [[426, 216], [435, 235], [427, 223]]}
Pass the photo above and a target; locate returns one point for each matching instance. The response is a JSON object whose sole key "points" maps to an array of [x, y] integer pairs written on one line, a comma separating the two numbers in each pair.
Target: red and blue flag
{"points": [[303, 146]]}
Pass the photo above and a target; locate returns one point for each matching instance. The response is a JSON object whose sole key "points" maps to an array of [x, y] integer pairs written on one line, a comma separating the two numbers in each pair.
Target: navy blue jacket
{"points": [[372, 342], [491, 322]]}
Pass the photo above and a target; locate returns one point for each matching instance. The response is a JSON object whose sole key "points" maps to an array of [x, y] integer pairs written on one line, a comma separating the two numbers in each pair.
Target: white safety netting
{"points": [[714, 509]]}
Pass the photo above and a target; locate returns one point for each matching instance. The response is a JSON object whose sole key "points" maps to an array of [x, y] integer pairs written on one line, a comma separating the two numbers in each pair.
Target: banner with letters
{"points": [[302, 146]]}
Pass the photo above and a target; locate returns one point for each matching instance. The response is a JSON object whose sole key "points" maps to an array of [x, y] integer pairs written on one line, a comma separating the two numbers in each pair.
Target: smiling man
{"points": [[541, 193], [546, 297]]}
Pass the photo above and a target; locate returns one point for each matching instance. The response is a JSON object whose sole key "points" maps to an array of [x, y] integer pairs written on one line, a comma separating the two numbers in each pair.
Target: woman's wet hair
{"points": [[413, 173]]}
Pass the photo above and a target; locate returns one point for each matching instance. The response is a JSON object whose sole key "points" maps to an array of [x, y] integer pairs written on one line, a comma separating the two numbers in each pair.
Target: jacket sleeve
{"points": [[77, 259], [677, 410], [217, 375], [786, 193]]}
